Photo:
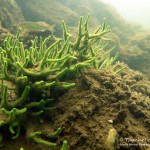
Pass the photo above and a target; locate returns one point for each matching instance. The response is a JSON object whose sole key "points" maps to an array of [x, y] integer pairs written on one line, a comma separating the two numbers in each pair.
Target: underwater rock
{"points": [[26, 36], [112, 141], [135, 52], [36, 26], [10, 13]]}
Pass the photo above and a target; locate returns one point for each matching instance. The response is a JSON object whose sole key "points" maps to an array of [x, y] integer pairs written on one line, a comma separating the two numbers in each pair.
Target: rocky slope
{"points": [[10, 13], [104, 111], [136, 52], [54, 12]]}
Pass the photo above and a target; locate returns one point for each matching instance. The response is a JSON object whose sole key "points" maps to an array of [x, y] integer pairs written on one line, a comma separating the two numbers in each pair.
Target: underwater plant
{"points": [[34, 73]]}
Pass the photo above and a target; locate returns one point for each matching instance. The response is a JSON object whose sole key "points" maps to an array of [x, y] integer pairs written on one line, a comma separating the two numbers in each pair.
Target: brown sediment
{"points": [[101, 101]]}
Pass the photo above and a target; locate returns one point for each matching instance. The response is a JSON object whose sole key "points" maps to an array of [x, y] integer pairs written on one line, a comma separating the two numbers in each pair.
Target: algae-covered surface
{"points": [[101, 101], [57, 91], [36, 26]]}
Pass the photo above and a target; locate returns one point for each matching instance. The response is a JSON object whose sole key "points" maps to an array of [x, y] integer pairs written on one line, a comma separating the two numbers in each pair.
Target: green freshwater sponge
{"points": [[33, 73]]}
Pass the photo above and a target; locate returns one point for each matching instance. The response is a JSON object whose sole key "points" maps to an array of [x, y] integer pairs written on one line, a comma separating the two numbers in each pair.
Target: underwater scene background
{"points": [[74, 75]]}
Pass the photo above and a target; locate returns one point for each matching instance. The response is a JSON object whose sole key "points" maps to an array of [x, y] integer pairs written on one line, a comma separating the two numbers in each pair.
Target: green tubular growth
{"points": [[64, 58], [64, 145], [16, 103], [40, 107], [63, 86], [44, 68], [35, 138], [55, 134], [13, 120]]}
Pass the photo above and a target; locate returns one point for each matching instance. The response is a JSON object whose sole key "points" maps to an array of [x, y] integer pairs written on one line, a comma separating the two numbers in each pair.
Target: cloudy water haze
{"points": [[132, 10], [71, 79]]}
